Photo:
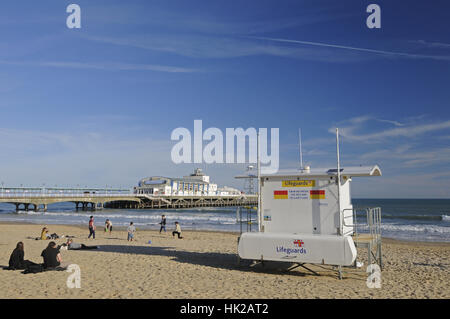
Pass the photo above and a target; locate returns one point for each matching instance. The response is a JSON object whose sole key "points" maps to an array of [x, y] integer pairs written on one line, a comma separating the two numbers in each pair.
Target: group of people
{"points": [[51, 255], [177, 230], [131, 230]]}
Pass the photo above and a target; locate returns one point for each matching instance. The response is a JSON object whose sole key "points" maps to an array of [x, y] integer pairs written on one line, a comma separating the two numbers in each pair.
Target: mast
{"points": [[300, 145], [339, 182], [259, 183]]}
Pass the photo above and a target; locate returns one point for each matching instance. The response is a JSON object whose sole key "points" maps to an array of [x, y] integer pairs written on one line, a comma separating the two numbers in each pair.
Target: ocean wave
{"points": [[156, 218], [416, 228], [444, 218]]}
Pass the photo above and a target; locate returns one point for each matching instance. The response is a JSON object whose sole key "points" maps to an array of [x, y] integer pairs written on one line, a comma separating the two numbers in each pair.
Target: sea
{"points": [[404, 219]]}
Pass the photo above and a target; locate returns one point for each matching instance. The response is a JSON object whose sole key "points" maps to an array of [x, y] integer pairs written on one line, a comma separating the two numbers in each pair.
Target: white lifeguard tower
{"points": [[306, 216]]}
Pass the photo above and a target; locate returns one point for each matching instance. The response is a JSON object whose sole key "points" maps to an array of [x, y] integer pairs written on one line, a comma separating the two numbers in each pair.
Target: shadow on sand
{"points": [[226, 261]]}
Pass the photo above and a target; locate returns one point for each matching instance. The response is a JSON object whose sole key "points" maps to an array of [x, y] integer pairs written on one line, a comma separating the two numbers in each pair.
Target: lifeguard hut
{"points": [[306, 216]]}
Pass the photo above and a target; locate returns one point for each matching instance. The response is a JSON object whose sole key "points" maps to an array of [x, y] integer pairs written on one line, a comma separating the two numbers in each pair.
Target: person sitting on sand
{"points": [[44, 234], [177, 230], [131, 230], [71, 245], [52, 256], [16, 260]]}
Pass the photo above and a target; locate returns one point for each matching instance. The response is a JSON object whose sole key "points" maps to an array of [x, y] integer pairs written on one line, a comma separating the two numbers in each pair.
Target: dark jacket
{"points": [[16, 260], [49, 254]]}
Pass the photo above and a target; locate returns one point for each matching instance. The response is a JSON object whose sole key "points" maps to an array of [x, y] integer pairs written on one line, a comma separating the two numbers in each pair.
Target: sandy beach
{"points": [[204, 265]]}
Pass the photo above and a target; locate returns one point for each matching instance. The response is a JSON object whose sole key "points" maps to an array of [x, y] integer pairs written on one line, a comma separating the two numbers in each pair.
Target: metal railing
{"points": [[247, 220], [52, 195], [367, 233]]}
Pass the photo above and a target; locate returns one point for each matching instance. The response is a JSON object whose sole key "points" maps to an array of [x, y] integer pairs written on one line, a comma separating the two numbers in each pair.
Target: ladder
{"points": [[367, 234]]}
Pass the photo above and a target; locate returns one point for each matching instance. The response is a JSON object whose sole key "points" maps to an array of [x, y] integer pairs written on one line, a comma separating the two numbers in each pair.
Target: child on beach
{"points": [[131, 230], [163, 223], [108, 226], [177, 230], [91, 228]]}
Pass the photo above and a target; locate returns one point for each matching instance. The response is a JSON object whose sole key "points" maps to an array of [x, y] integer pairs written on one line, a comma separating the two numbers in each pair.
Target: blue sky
{"points": [[96, 106]]}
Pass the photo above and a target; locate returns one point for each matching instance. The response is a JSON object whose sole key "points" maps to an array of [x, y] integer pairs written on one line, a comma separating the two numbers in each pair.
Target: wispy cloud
{"points": [[224, 46], [433, 44], [358, 49], [410, 156], [103, 66], [405, 131]]}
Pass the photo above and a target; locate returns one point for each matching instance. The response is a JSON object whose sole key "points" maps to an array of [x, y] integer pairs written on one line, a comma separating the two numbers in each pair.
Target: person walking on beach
{"points": [[131, 230], [163, 223], [177, 230], [91, 227]]}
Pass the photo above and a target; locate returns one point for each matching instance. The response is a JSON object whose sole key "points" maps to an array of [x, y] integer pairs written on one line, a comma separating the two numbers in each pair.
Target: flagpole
{"points": [[259, 184], [339, 181]]}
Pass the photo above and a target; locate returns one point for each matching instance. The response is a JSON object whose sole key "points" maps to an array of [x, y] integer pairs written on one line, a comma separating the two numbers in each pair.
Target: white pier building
{"points": [[196, 184]]}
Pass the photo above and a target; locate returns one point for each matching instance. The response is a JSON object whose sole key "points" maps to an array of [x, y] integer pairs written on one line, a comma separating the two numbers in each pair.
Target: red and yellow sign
{"points": [[317, 194], [303, 183], [280, 194]]}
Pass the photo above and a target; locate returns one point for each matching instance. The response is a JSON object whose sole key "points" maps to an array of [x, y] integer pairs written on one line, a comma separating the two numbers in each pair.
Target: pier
{"points": [[38, 199]]}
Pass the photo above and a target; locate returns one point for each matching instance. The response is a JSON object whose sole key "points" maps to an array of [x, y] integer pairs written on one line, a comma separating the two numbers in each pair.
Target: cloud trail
{"points": [[336, 46]]}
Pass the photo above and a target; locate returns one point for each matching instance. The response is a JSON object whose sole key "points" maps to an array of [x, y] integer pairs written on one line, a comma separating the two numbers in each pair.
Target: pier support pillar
{"points": [[26, 207], [17, 207], [45, 207]]}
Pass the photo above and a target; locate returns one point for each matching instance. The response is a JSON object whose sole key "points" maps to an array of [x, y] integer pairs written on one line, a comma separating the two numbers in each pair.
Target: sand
{"points": [[204, 265]]}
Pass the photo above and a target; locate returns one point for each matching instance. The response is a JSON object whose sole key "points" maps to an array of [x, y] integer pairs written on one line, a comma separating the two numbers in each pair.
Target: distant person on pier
{"points": [[177, 230], [131, 231], [91, 227], [163, 223]]}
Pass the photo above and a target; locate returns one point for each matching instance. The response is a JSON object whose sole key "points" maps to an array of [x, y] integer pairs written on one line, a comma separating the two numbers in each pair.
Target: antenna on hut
{"points": [[300, 146], [338, 180], [259, 182]]}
